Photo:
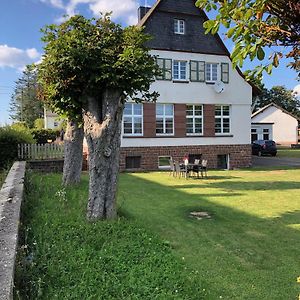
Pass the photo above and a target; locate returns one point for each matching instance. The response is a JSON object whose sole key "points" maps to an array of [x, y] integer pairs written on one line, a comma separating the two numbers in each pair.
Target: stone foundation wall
{"points": [[239, 155], [46, 165]]}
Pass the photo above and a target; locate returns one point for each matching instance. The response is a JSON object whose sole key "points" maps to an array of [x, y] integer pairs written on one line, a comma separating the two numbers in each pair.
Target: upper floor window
{"points": [[222, 119], [197, 70], [164, 119], [179, 70], [179, 26], [211, 72], [194, 119], [165, 66], [133, 119]]}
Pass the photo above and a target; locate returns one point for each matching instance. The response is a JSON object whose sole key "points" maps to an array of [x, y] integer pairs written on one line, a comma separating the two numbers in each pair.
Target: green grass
{"points": [[288, 153], [250, 248], [62, 256]]}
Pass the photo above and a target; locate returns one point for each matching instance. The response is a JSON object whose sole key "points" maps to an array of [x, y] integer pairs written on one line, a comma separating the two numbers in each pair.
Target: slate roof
{"points": [[159, 22]]}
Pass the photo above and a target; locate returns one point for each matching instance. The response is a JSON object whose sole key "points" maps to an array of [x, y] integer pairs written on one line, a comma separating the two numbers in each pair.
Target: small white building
{"points": [[272, 122], [51, 120]]}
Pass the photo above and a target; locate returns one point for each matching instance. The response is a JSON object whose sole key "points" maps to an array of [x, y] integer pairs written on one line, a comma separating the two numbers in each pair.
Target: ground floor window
{"points": [[133, 162], [254, 136], [164, 162], [266, 134], [223, 161]]}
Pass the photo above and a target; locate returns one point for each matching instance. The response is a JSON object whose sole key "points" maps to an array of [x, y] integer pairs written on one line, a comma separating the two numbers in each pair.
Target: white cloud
{"points": [[125, 10], [17, 58]]}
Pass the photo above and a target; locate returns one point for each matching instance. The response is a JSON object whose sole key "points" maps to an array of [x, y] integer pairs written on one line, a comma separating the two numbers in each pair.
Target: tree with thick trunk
{"points": [[90, 68], [102, 126], [73, 146]]}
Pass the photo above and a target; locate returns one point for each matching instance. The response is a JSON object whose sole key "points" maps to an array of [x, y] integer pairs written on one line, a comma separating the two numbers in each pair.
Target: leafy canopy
{"points": [[255, 24], [83, 57]]}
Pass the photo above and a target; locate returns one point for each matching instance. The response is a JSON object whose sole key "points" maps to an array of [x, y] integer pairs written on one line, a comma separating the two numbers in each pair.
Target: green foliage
{"points": [[39, 123], [25, 105], [62, 256], [254, 25], [10, 137], [42, 136], [84, 57]]}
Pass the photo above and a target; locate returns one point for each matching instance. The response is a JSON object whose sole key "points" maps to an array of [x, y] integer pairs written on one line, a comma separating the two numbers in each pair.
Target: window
{"points": [[197, 70], [225, 72], [179, 26], [266, 134], [194, 119], [165, 66], [55, 124], [133, 162], [223, 161], [179, 70], [211, 72], [164, 119], [254, 135], [222, 119], [164, 162], [133, 119]]}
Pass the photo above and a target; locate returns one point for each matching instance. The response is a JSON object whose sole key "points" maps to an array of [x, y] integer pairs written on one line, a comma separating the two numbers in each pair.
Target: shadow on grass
{"points": [[238, 255]]}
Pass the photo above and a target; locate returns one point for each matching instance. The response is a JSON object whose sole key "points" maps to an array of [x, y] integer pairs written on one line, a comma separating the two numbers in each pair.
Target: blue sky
{"points": [[20, 37]]}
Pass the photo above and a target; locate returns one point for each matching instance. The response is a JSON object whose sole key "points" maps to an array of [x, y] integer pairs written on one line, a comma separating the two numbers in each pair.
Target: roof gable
{"points": [[159, 23], [276, 106]]}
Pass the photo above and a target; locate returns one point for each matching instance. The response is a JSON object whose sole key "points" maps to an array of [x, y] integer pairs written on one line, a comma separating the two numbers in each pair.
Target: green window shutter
{"points": [[160, 63], [201, 71], [197, 70], [193, 70], [225, 72], [167, 69]]}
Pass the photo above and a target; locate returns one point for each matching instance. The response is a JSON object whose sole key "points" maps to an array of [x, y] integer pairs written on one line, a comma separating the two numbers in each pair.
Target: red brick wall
{"points": [[209, 119], [240, 155]]}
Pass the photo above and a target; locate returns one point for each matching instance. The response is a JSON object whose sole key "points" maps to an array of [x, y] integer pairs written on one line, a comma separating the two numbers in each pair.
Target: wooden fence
{"points": [[40, 151]]}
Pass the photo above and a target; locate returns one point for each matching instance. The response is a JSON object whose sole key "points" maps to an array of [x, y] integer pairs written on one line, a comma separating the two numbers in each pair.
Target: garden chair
{"points": [[184, 169], [172, 167], [204, 167], [177, 171], [196, 167]]}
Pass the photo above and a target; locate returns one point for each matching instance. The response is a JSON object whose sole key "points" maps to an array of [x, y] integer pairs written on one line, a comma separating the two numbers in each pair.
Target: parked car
{"points": [[261, 147]]}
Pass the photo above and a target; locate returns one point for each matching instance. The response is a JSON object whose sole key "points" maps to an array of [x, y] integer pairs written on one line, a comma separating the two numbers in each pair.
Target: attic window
{"points": [[179, 26]]}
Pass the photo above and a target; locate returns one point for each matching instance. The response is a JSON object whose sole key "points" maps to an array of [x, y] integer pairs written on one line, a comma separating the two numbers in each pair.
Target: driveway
{"points": [[270, 161]]}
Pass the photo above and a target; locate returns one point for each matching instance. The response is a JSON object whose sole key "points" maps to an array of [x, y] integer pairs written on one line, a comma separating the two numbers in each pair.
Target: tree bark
{"points": [[73, 144], [102, 127]]}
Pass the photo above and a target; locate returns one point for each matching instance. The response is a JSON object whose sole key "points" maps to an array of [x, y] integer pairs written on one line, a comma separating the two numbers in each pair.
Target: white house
{"points": [[204, 107], [51, 120], [272, 122]]}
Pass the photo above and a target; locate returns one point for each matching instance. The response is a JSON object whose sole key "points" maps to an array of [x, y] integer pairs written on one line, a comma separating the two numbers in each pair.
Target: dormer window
{"points": [[179, 26]]}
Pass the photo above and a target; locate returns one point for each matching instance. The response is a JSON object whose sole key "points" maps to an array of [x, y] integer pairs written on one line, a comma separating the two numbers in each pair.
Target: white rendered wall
{"points": [[284, 128], [237, 94]]}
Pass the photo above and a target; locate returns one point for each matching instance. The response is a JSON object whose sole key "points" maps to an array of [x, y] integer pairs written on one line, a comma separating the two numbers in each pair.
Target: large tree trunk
{"points": [[102, 127], [73, 143]]}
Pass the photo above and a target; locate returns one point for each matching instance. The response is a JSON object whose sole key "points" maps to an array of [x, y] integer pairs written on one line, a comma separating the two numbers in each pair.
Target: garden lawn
{"points": [[249, 249], [288, 153]]}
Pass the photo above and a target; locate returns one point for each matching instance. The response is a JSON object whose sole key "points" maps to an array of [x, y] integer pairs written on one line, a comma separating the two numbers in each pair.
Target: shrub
{"points": [[39, 124], [43, 135], [10, 137]]}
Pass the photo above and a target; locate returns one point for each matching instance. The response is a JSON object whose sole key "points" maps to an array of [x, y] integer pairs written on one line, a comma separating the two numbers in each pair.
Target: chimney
{"points": [[142, 10]]}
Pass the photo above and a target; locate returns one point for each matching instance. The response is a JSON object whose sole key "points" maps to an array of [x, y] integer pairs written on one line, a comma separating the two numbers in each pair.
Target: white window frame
{"points": [[167, 167], [179, 26], [180, 64], [132, 116], [222, 117], [164, 117], [209, 67], [194, 117]]}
